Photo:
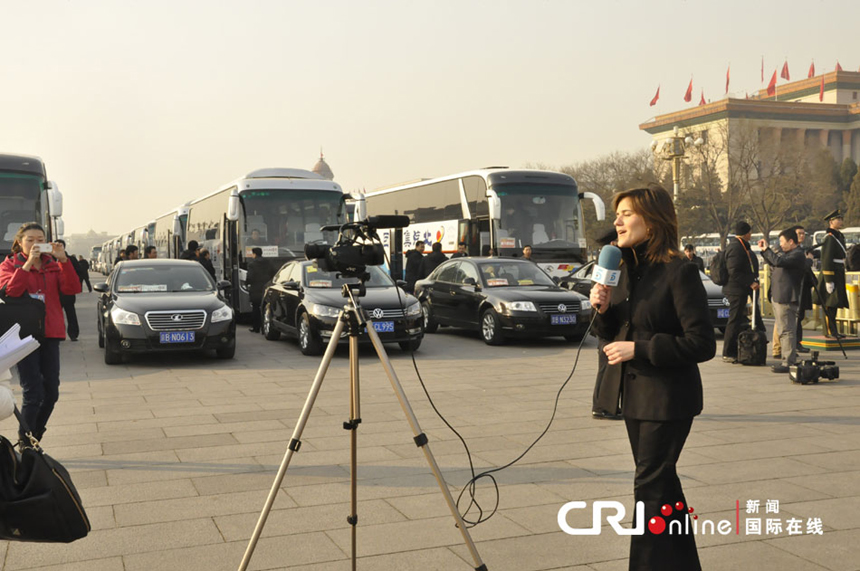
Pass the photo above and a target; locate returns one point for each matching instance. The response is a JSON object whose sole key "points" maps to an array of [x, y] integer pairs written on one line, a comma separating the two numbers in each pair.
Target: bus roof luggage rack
{"points": [[283, 173]]}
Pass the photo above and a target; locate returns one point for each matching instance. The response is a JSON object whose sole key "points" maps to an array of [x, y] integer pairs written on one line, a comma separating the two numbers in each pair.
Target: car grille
{"points": [[175, 320], [386, 313], [716, 302], [571, 306]]}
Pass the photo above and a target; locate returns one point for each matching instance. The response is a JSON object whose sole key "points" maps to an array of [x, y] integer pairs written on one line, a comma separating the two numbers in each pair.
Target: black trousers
{"points": [[68, 303], [89, 285], [739, 321], [39, 375], [656, 447], [256, 315], [602, 363]]}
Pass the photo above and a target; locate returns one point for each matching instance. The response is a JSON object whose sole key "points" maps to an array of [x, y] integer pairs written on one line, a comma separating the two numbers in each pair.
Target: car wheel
{"points": [[227, 352], [269, 330], [491, 328], [411, 345], [309, 341], [101, 336], [430, 326], [113, 356]]}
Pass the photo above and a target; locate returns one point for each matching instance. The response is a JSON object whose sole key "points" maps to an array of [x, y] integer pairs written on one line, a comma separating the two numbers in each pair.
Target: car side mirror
{"points": [[401, 283], [101, 288], [290, 285], [556, 279], [224, 284], [472, 282]]}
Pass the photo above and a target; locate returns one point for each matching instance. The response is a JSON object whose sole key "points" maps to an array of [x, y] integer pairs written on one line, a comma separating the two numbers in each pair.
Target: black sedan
{"points": [[501, 297], [304, 302], [163, 305], [580, 281]]}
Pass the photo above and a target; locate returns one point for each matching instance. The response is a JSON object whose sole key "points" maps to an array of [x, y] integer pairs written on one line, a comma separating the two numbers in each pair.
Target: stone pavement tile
{"points": [[835, 513], [437, 559], [96, 437], [547, 551], [721, 497], [321, 494], [540, 472], [750, 470], [755, 555], [234, 428], [617, 565], [835, 442], [834, 484], [100, 517], [421, 534], [190, 420], [543, 518], [176, 509], [134, 493], [835, 550], [287, 520], [760, 449], [263, 478], [115, 542], [178, 443], [606, 464], [161, 412], [708, 534], [84, 479], [107, 564], [540, 453], [172, 469], [833, 461], [772, 431], [270, 553], [271, 414], [366, 454], [590, 487], [72, 451]]}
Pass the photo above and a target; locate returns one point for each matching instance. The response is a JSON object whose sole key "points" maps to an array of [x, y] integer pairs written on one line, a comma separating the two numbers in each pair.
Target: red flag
{"points": [[771, 87], [811, 70], [821, 91], [702, 100], [838, 67], [728, 72], [784, 73], [689, 95], [656, 97]]}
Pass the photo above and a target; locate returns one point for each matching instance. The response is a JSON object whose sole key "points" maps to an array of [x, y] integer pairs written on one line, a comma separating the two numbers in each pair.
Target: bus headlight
{"points": [[413, 310], [123, 317], [223, 313], [323, 310]]}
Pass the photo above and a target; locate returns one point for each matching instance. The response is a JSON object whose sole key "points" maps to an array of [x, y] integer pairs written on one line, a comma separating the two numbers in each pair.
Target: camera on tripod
{"points": [[357, 246], [812, 370]]}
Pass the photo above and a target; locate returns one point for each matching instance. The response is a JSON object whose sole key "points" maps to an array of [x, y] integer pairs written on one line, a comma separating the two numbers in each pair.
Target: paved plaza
{"points": [[174, 456]]}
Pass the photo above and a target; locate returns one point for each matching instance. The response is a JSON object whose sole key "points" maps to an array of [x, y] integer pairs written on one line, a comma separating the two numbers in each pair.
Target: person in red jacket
{"points": [[42, 276]]}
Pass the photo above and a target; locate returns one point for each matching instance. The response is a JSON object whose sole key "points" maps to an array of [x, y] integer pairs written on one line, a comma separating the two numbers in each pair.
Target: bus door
{"points": [[469, 231], [230, 262]]}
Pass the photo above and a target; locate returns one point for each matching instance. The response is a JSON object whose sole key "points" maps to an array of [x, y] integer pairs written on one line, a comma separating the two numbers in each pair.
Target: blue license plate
{"points": [[562, 319], [723, 313], [176, 337], [384, 326]]}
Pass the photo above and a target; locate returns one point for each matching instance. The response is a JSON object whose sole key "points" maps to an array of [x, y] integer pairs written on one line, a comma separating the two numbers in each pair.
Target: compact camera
{"points": [[42, 248], [812, 370]]}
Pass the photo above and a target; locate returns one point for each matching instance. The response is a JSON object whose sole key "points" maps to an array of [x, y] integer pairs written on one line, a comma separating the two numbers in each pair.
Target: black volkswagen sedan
{"points": [[580, 281], [163, 305], [501, 297], [304, 302]]}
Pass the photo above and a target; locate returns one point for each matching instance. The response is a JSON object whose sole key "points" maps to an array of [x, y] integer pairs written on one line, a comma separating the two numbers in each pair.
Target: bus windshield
{"points": [[288, 219], [19, 203], [543, 216]]}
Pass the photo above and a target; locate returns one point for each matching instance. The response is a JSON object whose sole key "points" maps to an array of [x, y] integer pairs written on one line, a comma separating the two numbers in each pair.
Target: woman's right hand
{"points": [[32, 258], [599, 297]]}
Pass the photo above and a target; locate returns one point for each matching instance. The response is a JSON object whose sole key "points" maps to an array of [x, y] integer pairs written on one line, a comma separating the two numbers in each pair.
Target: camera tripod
{"points": [[352, 316]]}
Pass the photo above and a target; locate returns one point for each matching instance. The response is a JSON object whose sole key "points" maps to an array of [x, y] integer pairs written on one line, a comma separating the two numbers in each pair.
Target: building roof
{"points": [[322, 168]]}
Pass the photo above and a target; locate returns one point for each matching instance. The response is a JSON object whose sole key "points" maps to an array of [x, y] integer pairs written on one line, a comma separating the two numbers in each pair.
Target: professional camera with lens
{"points": [[357, 247], [812, 370]]}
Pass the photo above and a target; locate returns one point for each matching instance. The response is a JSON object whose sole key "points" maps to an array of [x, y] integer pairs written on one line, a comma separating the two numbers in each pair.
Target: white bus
{"points": [[492, 210], [167, 232], [26, 195], [852, 236]]}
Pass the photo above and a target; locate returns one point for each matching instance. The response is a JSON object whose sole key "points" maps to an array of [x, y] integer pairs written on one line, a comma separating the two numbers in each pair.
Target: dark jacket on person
{"points": [[413, 267], [84, 267], [459, 255], [833, 254], [431, 262], [789, 270], [742, 265], [207, 264], [664, 311], [700, 263], [77, 266], [259, 274], [189, 255]]}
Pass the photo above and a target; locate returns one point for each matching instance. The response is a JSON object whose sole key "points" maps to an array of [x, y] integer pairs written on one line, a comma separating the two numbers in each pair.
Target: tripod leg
{"points": [[421, 442], [295, 441], [352, 426]]}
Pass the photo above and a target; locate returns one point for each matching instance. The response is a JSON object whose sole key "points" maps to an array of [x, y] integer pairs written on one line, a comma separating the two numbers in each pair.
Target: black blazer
{"points": [[664, 310], [788, 274], [743, 269]]}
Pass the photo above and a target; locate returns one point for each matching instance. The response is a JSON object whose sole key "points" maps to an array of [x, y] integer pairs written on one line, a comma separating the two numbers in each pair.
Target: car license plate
{"points": [[723, 313], [562, 319], [176, 337], [384, 326]]}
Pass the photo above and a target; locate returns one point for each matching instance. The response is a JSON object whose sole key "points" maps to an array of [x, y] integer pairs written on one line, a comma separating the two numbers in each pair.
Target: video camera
{"points": [[811, 370], [357, 246]]}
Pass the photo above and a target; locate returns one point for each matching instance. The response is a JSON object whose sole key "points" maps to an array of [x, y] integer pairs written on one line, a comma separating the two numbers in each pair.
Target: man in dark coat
{"points": [[690, 253], [789, 269], [432, 261], [259, 273], [191, 252], [805, 289], [68, 301], [84, 273], [414, 258], [742, 266], [831, 282], [461, 251], [206, 261]]}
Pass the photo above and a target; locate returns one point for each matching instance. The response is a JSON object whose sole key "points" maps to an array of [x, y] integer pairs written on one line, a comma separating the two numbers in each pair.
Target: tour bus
{"points": [[110, 252], [94, 257], [492, 210], [167, 233], [26, 195], [278, 210]]}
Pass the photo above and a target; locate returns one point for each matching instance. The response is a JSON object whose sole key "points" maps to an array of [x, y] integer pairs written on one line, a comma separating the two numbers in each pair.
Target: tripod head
{"points": [[351, 291]]}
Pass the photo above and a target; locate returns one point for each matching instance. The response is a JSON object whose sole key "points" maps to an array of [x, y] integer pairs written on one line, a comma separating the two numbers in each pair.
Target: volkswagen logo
{"points": [[176, 317], [376, 313], [726, 301], [562, 308]]}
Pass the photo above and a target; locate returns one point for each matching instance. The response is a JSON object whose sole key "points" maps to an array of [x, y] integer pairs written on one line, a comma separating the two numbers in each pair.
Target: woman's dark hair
{"points": [[655, 206], [19, 235]]}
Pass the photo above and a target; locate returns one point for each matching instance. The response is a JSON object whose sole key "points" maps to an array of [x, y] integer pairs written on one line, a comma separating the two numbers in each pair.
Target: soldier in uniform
{"points": [[831, 281]]}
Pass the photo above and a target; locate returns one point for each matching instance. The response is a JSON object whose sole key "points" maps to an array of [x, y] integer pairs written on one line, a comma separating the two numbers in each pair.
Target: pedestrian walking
{"points": [[67, 301], [259, 273], [84, 273], [433, 259], [414, 258], [742, 266], [831, 281]]}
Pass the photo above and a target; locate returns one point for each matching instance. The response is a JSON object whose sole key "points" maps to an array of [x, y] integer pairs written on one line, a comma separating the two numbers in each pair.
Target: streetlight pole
{"points": [[674, 149]]}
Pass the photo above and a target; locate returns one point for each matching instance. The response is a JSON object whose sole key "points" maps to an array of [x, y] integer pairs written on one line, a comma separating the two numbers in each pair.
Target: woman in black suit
{"points": [[657, 329]]}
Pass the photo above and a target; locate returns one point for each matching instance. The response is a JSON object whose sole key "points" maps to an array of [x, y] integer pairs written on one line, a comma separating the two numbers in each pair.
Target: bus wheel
{"points": [[491, 328], [430, 326]]}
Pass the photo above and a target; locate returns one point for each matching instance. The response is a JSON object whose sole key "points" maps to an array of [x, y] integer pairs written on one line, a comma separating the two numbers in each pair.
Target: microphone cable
{"points": [[471, 485]]}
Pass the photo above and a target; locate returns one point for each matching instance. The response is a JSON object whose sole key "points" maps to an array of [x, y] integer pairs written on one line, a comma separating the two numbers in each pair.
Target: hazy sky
{"points": [[139, 106]]}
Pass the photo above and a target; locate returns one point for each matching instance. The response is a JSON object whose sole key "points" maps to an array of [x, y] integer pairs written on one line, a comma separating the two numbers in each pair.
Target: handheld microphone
{"points": [[606, 270]]}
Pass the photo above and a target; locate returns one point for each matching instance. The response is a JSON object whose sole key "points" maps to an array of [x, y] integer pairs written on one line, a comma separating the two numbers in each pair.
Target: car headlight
{"points": [[323, 310], [521, 306], [413, 310], [585, 304], [223, 313], [123, 317]]}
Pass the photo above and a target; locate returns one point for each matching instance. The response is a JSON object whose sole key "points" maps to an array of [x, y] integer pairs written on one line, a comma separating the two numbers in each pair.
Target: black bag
{"points": [[752, 344], [718, 269], [38, 501], [852, 258], [26, 311]]}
